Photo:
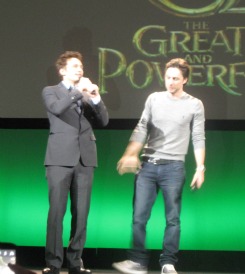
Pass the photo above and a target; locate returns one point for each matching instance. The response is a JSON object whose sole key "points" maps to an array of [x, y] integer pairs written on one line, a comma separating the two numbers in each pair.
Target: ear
{"points": [[62, 72], [185, 80]]}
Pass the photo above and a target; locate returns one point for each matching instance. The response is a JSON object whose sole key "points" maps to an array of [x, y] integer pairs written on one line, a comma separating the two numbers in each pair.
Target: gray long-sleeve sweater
{"points": [[167, 123]]}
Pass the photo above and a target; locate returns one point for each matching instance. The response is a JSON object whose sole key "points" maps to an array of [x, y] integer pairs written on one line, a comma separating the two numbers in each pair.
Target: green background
{"points": [[212, 218]]}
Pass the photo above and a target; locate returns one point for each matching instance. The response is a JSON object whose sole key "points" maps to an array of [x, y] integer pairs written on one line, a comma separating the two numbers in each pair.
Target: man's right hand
{"points": [[85, 85], [128, 164]]}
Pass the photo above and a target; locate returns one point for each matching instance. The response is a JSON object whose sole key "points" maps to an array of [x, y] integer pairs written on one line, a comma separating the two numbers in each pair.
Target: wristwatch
{"points": [[201, 168]]}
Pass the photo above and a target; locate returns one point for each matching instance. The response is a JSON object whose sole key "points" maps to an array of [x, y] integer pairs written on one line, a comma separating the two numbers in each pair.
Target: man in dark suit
{"points": [[73, 107]]}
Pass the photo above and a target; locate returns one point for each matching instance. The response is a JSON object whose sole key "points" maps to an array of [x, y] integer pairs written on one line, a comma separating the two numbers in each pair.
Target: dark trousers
{"points": [[169, 178], [62, 181]]}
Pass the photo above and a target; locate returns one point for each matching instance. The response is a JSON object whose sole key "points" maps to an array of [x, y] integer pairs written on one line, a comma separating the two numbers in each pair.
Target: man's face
{"points": [[73, 71], [174, 81]]}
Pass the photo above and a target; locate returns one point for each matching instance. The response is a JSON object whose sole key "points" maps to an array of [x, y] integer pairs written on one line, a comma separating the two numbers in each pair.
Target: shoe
{"points": [[130, 267], [169, 269], [79, 270], [51, 270]]}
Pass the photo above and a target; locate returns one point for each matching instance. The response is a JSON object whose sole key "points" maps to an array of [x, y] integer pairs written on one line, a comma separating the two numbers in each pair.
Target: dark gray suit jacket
{"points": [[71, 135]]}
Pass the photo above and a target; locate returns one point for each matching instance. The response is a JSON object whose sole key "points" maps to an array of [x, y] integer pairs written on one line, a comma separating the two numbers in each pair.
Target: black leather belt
{"points": [[156, 161]]}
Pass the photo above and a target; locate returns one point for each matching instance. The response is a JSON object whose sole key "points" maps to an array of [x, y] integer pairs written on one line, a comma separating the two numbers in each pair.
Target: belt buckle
{"points": [[153, 160]]}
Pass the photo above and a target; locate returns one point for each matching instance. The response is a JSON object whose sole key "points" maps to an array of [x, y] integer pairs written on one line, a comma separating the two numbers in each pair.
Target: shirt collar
{"points": [[67, 85]]}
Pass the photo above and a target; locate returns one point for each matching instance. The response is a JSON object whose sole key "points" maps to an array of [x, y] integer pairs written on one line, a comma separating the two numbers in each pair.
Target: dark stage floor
{"points": [[97, 271], [100, 260]]}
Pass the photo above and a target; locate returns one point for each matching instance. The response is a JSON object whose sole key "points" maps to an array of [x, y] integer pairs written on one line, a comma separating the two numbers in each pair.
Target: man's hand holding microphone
{"points": [[85, 85]]}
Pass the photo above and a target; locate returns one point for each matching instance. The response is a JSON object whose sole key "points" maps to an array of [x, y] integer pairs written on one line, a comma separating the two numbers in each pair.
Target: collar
{"points": [[67, 85]]}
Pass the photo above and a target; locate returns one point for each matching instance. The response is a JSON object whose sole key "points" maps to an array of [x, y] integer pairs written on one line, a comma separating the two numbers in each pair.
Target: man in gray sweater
{"points": [[162, 134]]}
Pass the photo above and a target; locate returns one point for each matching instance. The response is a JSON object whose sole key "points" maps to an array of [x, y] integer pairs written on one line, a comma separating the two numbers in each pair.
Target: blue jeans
{"points": [[170, 179]]}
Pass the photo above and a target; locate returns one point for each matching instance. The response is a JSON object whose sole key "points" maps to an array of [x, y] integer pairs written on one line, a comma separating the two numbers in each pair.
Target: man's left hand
{"points": [[198, 180]]}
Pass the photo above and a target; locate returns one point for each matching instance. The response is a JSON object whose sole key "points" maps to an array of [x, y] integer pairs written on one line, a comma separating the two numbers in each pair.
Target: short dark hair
{"points": [[181, 64], [62, 59]]}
